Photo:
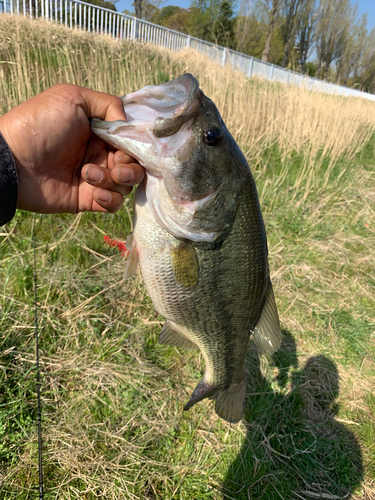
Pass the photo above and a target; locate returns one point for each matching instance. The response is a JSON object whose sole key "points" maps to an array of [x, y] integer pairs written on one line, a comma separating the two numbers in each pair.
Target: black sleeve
{"points": [[8, 183]]}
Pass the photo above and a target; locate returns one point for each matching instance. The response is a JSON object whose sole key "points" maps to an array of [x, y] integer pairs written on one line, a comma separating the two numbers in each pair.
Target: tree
{"points": [[178, 20], [244, 19], [202, 16], [199, 23], [149, 12], [223, 26], [367, 69], [305, 31], [164, 14], [349, 62], [251, 29], [333, 23], [273, 11], [104, 3], [138, 8], [250, 36], [290, 12]]}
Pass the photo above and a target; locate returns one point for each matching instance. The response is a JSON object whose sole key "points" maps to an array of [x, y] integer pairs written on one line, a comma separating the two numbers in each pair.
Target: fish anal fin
{"points": [[129, 241], [170, 335], [202, 391], [229, 402], [133, 259], [267, 332]]}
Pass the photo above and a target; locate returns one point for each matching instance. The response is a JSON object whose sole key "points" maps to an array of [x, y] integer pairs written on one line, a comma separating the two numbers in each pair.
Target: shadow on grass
{"points": [[294, 448]]}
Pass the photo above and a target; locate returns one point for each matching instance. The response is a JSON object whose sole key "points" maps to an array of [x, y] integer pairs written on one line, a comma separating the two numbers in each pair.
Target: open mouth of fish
{"points": [[170, 105], [154, 115]]}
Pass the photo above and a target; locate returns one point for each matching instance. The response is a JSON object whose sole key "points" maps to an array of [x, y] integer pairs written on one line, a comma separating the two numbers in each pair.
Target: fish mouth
{"points": [[154, 115], [170, 104]]}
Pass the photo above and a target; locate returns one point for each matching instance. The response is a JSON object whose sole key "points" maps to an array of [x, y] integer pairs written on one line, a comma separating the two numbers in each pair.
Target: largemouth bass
{"points": [[198, 234]]}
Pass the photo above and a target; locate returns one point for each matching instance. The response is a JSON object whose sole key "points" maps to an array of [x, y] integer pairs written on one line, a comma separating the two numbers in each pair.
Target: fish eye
{"points": [[212, 136]]}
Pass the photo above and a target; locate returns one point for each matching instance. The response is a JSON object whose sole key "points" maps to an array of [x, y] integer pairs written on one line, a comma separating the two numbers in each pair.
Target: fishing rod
{"points": [[39, 418]]}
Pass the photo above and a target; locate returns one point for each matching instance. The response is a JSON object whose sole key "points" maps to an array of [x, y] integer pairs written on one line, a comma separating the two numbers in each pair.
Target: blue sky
{"points": [[364, 6], [127, 4], [368, 6]]}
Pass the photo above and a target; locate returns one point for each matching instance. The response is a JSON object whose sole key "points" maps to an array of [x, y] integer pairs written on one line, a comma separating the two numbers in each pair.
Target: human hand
{"points": [[61, 165]]}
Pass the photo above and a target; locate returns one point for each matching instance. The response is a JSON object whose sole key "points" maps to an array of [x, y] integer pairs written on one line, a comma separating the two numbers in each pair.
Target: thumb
{"points": [[100, 105]]}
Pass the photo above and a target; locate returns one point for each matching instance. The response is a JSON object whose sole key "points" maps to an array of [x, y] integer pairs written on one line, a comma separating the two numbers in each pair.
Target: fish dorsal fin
{"points": [[171, 336], [133, 258], [185, 264], [267, 332]]}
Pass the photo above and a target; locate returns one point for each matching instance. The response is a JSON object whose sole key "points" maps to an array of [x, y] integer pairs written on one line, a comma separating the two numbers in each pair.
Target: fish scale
{"points": [[212, 312], [198, 236]]}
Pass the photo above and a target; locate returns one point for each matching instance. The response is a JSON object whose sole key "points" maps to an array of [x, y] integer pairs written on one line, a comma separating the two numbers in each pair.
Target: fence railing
{"points": [[82, 15]]}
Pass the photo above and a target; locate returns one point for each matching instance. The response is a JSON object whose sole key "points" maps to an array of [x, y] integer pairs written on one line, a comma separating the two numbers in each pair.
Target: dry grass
{"points": [[113, 424], [258, 114]]}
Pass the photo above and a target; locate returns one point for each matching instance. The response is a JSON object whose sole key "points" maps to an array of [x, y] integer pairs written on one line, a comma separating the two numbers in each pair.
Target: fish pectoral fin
{"points": [[133, 258], [185, 264], [267, 332], [229, 402], [171, 336]]}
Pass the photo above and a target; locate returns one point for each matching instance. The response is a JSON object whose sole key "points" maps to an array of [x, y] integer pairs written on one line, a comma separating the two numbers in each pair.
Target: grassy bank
{"points": [[113, 425]]}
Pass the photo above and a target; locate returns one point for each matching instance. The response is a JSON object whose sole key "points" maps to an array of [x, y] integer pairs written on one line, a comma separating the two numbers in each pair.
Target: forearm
{"points": [[8, 183]]}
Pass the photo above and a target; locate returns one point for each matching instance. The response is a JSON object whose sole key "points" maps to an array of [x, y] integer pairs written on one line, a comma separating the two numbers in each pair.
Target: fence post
{"points": [[271, 73], [250, 72], [224, 58]]}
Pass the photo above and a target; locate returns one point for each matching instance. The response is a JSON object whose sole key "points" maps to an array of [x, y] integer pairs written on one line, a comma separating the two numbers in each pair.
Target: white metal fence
{"points": [[81, 15]]}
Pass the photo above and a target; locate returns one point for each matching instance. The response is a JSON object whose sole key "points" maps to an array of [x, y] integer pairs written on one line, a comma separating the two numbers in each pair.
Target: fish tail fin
{"points": [[229, 402]]}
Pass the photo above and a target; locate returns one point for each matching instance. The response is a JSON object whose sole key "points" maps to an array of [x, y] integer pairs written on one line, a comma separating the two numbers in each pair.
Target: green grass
{"points": [[113, 398]]}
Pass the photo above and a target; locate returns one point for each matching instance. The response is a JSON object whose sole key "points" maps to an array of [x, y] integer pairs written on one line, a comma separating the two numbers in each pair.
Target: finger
{"points": [[101, 105], [101, 177], [111, 201], [127, 174], [119, 157], [125, 169]]}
